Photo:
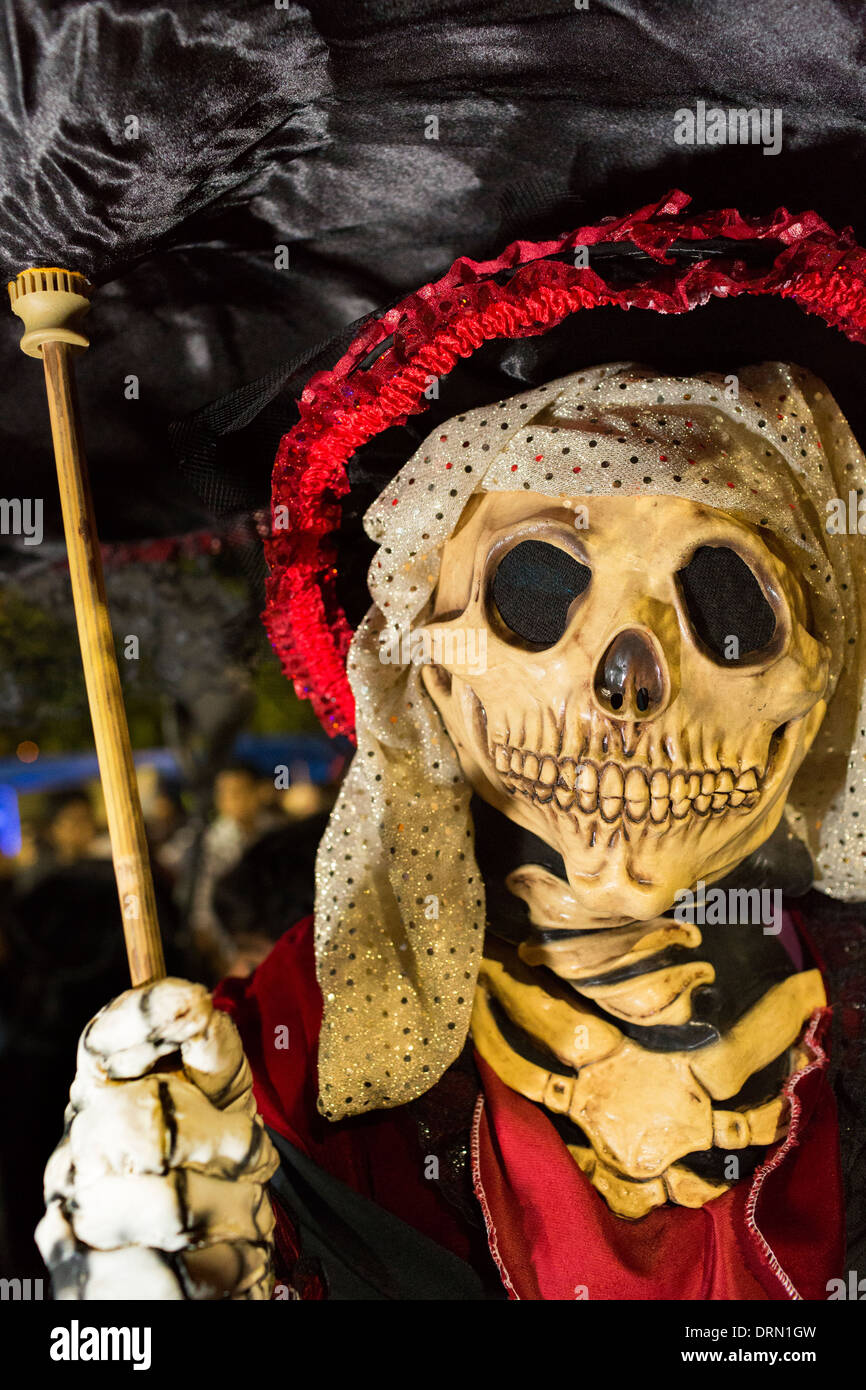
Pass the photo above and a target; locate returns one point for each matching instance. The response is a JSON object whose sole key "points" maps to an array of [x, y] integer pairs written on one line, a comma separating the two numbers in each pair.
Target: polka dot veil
{"points": [[400, 907]]}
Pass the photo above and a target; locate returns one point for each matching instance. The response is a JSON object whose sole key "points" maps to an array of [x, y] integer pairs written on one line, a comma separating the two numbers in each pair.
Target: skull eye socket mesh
{"points": [[533, 589], [724, 600]]}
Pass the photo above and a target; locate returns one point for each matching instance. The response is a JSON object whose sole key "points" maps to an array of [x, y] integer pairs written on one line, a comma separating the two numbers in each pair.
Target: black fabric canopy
{"points": [[168, 151]]}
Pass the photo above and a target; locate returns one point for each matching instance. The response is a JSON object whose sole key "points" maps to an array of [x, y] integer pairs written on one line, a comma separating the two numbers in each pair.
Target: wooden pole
{"points": [[101, 675]]}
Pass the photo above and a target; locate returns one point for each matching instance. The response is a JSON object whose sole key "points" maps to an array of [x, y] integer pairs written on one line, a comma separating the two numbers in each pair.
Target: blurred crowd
{"points": [[227, 887]]}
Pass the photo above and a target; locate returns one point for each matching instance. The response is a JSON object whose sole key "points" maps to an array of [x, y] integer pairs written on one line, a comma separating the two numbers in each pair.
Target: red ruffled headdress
{"points": [[529, 289]]}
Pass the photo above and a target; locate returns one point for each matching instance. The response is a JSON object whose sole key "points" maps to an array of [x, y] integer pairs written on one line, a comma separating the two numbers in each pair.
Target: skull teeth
{"points": [[635, 793]]}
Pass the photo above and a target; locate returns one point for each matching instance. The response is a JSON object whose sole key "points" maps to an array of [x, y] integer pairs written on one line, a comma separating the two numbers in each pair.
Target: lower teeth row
{"points": [[611, 808], [614, 791]]}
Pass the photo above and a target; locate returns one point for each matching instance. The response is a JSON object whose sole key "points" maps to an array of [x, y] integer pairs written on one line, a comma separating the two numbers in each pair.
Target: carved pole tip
{"points": [[51, 304]]}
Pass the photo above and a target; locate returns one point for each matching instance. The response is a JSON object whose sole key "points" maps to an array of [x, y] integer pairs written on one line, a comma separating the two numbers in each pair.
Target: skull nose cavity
{"points": [[629, 679]]}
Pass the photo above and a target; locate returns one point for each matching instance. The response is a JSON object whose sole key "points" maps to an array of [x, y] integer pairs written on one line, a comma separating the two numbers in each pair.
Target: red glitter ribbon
{"points": [[822, 271]]}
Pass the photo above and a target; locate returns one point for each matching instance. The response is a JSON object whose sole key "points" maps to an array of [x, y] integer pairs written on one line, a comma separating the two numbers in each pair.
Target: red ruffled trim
{"points": [[822, 271]]}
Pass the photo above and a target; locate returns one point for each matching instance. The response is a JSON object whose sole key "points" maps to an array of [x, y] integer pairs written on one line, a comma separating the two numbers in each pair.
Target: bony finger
{"points": [[228, 1269], [162, 1122], [169, 1212], [214, 1060], [142, 1025], [59, 1172], [54, 1236], [132, 1274]]}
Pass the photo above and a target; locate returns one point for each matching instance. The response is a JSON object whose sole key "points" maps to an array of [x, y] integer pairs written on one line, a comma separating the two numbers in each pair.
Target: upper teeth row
{"points": [[608, 787]]}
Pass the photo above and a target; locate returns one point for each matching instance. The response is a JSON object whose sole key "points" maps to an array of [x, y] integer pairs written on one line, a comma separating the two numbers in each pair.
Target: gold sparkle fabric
{"points": [[399, 898]]}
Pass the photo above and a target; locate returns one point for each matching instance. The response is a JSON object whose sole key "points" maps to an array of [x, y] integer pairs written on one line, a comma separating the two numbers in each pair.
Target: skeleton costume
{"points": [[533, 1078], [404, 808], [609, 694], [399, 981]]}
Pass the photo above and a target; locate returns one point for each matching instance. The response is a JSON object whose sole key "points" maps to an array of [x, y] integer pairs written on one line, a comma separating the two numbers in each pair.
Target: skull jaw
{"points": [[621, 870]]}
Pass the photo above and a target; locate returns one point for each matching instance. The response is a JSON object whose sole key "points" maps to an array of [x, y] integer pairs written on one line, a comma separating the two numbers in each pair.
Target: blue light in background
{"points": [[10, 822]]}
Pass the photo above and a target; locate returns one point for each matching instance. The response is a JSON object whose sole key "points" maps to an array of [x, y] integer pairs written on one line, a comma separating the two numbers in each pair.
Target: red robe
{"points": [[778, 1235]]}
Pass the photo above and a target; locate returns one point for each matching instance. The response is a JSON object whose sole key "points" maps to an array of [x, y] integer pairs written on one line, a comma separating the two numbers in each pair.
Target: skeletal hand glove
{"points": [[157, 1188]]}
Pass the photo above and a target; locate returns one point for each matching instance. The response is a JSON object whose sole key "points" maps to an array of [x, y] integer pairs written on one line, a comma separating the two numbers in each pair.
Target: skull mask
{"points": [[650, 685]]}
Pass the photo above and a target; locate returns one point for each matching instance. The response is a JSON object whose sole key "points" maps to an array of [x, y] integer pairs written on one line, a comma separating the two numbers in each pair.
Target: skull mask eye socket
{"points": [[725, 600], [533, 589]]}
